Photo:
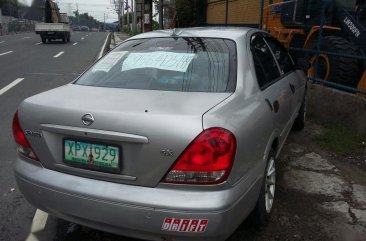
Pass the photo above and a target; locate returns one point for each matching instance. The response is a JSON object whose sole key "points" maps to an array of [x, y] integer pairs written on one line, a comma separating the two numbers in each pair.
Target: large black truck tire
{"points": [[64, 38], [341, 70]]}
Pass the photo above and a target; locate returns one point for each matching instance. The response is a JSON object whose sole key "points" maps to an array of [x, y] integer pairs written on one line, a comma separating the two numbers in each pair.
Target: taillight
{"points": [[23, 146], [207, 160]]}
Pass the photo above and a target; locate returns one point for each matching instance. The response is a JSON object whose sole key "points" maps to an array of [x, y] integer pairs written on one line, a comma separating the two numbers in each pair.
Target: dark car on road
{"points": [[84, 29]]}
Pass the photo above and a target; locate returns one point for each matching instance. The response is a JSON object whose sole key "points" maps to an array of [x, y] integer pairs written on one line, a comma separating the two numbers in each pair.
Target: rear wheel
{"points": [[43, 40], [68, 37], [64, 38], [263, 208], [337, 69]]}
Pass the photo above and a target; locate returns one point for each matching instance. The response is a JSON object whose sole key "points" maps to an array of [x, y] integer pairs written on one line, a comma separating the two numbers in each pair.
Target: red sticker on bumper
{"points": [[185, 225]]}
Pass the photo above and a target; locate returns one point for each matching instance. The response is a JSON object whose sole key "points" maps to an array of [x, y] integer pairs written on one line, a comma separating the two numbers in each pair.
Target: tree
{"points": [[130, 14], [190, 13], [83, 19], [9, 7]]}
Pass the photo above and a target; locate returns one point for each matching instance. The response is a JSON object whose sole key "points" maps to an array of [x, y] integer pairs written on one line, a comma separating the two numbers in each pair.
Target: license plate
{"points": [[95, 156]]}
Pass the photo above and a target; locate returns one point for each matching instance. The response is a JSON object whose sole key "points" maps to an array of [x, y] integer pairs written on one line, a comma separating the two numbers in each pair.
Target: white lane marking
{"points": [[9, 52], [104, 45], [75, 43], [2, 42], [44, 73], [32, 237], [38, 224], [59, 54], [38, 43], [82, 38], [39, 221], [11, 85]]}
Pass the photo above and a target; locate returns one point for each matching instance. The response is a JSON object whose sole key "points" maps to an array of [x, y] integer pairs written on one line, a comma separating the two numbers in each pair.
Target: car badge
{"points": [[167, 153], [87, 119]]}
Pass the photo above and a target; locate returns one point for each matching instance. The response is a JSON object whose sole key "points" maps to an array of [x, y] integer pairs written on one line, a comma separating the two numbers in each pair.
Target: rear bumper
{"points": [[51, 34], [132, 210]]}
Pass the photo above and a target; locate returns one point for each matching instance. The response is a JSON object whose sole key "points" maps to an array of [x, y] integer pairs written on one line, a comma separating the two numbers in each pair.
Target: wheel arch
{"points": [[273, 144], [313, 34]]}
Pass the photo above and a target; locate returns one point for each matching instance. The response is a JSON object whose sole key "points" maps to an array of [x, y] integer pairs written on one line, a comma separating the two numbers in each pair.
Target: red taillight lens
{"points": [[24, 148], [207, 160]]}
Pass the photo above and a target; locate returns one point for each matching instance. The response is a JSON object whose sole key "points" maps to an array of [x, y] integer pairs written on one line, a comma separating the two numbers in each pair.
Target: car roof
{"points": [[233, 33]]}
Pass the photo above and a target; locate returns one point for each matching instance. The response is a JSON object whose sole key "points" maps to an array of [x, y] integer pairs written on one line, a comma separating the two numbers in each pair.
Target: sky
{"points": [[96, 8]]}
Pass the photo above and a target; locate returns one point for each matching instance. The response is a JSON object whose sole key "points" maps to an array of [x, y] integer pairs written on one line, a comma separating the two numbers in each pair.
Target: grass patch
{"points": [[340, 139]]}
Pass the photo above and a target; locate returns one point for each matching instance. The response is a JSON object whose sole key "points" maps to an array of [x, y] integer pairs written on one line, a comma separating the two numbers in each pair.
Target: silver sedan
{"points": [[173, 135]]}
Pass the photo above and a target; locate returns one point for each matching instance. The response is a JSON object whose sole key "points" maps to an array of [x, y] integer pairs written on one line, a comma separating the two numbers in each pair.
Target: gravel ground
{"points": [[319, 196]]}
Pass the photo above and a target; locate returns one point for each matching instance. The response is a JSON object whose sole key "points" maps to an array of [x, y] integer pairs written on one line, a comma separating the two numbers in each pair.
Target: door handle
{"points": [[292, 87], [276, 106]]}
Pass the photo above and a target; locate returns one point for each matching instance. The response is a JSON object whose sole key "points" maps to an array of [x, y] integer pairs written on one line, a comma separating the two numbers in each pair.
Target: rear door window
{"points": [[170, 64], [282, 56], [265, 65]]}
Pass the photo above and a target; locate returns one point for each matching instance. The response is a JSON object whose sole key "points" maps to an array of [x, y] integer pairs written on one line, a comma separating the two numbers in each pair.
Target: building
{"points": [[236, 12]]}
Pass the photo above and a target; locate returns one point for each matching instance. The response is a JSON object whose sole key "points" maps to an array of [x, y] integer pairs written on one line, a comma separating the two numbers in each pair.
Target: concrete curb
{"points": [[118, 39], [331, 105], [106, 46]]}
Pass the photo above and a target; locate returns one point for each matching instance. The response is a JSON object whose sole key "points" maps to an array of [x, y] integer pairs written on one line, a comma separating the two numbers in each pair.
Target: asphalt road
{"points": [[30, 67]]}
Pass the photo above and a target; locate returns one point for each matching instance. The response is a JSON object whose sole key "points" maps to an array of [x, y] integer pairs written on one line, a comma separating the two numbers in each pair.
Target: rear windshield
{"points": [[171, 64]]}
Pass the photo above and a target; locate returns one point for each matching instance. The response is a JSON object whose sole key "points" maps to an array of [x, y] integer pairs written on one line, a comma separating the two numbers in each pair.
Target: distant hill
{"points": [[20, 10]]}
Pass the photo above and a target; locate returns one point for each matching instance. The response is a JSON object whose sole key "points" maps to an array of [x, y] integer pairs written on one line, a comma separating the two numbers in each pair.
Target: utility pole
{"points": [[121, 10], [128, 18], [261, 16], [9, 11], [104, 22], [77, 10], [134, 25], [161, 16]]}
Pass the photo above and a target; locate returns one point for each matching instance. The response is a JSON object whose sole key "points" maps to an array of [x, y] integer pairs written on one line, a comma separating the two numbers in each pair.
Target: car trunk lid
{"points": [[151, 128]]}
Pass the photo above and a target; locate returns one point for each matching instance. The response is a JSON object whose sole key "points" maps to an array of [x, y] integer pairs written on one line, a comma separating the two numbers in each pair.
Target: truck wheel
{"points": [[337, 69], [68, 37], [43, 40], [263, 208], [64, 38]]}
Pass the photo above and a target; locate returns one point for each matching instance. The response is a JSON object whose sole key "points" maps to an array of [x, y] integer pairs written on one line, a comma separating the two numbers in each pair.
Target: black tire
{"points": [[300, 120], [64, 38], [44, 40], [68, 38], [340, 70], [260, 214]]}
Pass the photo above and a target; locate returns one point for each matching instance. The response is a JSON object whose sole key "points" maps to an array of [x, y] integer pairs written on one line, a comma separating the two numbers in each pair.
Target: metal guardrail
{"points": [[317, 26], [10, 28], [328, 53], [325, 5], [337, 86], [305, 28]]}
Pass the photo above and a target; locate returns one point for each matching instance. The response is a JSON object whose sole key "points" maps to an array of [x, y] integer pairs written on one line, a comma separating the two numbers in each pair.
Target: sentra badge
{"points": [[185, 225], [33, 133]]}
